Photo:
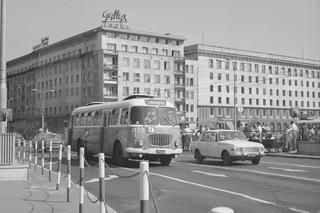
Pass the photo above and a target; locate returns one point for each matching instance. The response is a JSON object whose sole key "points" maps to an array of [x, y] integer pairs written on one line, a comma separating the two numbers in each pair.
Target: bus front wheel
{"points": [[165, 160]]}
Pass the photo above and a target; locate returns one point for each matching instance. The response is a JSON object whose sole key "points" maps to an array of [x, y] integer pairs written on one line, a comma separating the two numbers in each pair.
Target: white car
{"points": [[228, 145]]}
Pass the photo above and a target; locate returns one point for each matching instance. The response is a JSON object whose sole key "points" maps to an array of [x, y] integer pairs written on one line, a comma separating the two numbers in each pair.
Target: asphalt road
{"points": [[277, 184]]}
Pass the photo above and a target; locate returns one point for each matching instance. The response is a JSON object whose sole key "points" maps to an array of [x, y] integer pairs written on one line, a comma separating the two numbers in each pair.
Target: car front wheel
{"points": [[255, 161]]}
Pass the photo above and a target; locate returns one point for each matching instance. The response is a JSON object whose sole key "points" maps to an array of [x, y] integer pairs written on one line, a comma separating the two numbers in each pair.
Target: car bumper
{"points": [[154, 151], [247, 156]]}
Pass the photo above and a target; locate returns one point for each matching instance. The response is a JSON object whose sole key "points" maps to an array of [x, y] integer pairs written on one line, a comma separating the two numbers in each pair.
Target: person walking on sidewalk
{"points": [[293, 130]]}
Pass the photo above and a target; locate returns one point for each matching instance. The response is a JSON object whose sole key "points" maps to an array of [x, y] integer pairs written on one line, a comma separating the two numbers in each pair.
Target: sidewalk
{"points": [[291, 155], [38, 195]]}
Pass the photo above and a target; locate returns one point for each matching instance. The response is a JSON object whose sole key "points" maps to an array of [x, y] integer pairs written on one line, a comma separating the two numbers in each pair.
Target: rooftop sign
{"points": [[44, 42], [114, 19]]}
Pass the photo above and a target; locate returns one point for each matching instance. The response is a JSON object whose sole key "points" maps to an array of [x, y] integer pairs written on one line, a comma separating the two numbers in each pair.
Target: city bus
{"points": [[139, 127]]}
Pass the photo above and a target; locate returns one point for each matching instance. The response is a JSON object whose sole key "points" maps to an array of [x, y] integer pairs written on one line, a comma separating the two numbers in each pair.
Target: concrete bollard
{"points": [[30, 153], [42, 157], [50, 160], [69, 172], [81, 180], [35, 155], [144, 187], [102, 183], [59, 166]]}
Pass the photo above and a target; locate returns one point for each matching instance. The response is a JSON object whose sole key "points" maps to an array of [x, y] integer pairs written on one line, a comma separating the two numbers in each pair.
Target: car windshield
{"points": [[153, 116], [231, 135]]}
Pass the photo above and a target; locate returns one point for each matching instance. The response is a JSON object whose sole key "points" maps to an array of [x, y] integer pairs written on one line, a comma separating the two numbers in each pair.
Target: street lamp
{"points": [[42, 92], [234, 93]]}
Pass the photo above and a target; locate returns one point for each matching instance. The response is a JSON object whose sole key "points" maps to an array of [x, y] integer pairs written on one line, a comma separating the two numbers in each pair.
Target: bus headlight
{"points": [[139, 143]]}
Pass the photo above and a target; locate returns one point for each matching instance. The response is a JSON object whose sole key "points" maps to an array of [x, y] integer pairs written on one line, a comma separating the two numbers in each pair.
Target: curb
{"points": [[293, 156]]}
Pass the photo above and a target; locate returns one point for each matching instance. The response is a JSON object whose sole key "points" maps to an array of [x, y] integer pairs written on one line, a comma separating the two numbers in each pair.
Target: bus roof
{"points": [[124, 103]]}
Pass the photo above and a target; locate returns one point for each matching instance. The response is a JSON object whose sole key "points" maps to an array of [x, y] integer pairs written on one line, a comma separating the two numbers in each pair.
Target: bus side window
{"points": [[83, 119], [114, 117], [124, 116], [107, 119], [97, 118], [90, 118]]}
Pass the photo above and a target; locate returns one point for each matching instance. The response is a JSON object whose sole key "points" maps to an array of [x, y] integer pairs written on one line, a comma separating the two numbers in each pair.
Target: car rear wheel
{"points": [[255, 161], [226, 159], [198, 157]]}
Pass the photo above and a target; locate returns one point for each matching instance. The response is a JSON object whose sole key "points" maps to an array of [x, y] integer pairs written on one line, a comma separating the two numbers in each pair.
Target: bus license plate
{"points": [[160, 151], [252, 155]]}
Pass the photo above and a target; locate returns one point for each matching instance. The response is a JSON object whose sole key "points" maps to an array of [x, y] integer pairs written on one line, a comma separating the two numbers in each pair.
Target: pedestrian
{"points": [[186, 136], [259, 130], [293, 130]]}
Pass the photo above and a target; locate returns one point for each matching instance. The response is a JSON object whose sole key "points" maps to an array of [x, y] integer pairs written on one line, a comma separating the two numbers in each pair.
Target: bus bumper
{"points": [[154, 151]]}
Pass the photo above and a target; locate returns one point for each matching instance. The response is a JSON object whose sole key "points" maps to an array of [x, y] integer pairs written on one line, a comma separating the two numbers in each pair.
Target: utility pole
{"points": [[3, 74]]}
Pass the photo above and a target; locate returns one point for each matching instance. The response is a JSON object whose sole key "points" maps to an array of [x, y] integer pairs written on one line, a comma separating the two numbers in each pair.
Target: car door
{"points": [[203, 144], [212, 145]]}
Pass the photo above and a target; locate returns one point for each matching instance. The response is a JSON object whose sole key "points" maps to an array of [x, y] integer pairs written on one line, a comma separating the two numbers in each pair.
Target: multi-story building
{"points": [[254, 86], [208, 84], [103, 64]]}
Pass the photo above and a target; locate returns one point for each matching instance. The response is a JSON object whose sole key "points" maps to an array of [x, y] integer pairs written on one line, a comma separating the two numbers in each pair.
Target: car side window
{"points": [[213, 137], [205, 137]]}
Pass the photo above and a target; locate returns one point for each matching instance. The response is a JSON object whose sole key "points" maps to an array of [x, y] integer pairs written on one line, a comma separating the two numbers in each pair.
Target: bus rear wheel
{"points": [[165, 160], [118, 155]]}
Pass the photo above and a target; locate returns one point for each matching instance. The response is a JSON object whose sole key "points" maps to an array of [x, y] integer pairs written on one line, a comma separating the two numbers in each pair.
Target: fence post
{"points": [[42, 157], [69, 172], [30, 153], [50, 160], [59, 166], [144, 187], [35, 156], [102, 183], [81, 179]]}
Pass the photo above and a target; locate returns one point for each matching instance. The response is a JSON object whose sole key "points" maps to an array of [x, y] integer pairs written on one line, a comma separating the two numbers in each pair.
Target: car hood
{"points": [[241, 143]]}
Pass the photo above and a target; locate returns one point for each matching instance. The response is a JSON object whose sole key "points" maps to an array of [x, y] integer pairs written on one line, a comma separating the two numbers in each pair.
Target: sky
{"points": [[283, 27]]}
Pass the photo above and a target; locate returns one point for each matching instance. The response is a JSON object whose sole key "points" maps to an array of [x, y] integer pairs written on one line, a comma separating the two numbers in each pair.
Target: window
{"points": [[210, 63], [114, 117], [136, 62], [147, 78], [147, 64], [124, 116], [144, 49], [111, 46], [166, 65], [167, 79], [136, 77], [157, 79], [157, 64], [218, 64]]}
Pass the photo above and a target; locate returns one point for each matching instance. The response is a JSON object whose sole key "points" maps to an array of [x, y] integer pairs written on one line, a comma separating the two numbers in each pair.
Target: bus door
{"points": [[105, 142]]}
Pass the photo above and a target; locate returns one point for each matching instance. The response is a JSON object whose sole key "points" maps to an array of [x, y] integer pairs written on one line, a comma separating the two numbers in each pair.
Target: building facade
{"points": [[208, 84], [253, 86], [103, 64]]}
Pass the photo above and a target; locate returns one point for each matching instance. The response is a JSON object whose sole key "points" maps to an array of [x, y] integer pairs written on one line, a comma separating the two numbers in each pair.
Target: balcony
{"points": [[110, 66], [180, 99], [177, 86]]}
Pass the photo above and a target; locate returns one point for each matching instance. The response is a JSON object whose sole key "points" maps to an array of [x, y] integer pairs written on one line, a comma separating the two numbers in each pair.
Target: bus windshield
{"points": [[153, 116]]}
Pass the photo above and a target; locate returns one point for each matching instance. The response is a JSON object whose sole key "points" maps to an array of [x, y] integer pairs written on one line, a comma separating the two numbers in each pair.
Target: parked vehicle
{"points": [[228, 145], [55, 138]]}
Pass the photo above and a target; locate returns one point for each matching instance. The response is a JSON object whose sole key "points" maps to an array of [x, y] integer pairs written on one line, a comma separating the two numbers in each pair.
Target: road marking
{"points": [[110, 177], [290, 164], [225, 191], [288, 170], [258, 172], [210, 174]]}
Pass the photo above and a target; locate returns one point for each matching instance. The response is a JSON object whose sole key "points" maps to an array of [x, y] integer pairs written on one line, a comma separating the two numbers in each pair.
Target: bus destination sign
{"points": [[156, 102]]}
